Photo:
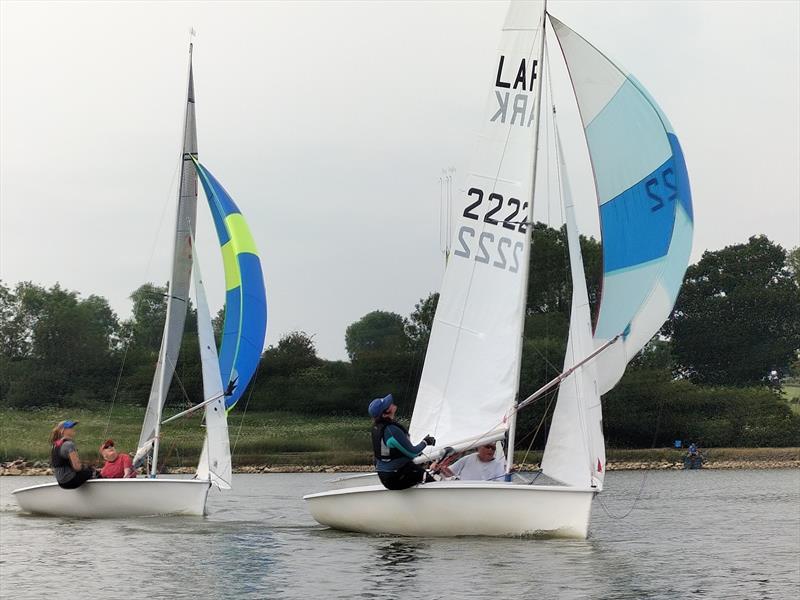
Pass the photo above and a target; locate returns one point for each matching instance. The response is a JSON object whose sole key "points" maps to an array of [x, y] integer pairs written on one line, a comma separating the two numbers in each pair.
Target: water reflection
{"points": [[395, 566], [681, 540]]}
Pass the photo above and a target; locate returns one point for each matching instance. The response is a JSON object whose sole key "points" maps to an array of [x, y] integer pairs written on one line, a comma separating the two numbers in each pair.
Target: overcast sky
{"points": [[329, 123]]}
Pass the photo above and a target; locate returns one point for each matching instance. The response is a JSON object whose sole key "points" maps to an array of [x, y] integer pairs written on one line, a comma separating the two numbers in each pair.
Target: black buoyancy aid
{"points": [[379, 448], [56, 460]]}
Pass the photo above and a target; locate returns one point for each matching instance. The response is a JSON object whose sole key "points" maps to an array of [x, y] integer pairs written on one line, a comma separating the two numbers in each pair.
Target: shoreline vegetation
{"points": [[624, 460], [283, 442]]}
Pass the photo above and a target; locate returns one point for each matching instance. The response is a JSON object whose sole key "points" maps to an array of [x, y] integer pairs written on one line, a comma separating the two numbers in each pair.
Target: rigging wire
{"points": [[246, 404], [553, 396], [153, 245], [175, 438]]}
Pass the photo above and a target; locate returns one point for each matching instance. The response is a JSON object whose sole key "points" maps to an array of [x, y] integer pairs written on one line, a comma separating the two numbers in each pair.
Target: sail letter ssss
{"points": [[645, 204], [245, 297]]}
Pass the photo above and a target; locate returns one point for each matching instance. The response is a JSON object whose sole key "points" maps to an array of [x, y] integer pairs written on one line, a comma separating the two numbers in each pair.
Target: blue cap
{"points": [[69, 424], [380, 405]]}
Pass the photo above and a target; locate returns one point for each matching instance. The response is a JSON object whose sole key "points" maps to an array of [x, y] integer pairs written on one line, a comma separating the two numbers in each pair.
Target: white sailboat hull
{"points": [[113, 498], [457, 508]]}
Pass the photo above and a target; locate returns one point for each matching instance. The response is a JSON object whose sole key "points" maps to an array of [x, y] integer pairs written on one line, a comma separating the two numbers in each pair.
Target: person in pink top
{"points": [[117, 465]]}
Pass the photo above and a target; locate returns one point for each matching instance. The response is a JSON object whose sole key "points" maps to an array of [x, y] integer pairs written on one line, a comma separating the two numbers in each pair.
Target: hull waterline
{"points": [[114, 498], [457, 508]]}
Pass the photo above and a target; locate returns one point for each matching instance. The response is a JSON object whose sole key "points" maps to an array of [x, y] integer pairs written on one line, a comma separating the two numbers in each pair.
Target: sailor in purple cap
{"points": [[69, 471], [394, 452]]}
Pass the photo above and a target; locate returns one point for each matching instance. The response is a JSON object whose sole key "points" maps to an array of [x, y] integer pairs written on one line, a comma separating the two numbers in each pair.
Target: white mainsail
{"points": [[215, 458], [575, 450], [471, 373], [178, 295]]}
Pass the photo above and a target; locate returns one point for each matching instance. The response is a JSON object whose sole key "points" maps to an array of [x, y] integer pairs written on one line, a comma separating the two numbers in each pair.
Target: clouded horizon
{"points": [[329, 124]]}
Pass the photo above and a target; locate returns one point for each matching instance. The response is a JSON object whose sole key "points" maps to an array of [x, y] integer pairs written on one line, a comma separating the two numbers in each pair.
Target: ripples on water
{"points": [[699, 534]]}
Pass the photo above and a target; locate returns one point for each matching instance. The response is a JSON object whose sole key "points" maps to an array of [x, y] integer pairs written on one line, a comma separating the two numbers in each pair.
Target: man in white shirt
{"points": [[480, 466]]}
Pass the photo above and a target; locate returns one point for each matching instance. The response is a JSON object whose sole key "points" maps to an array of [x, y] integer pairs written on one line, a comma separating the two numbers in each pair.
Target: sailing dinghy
{"points": [[468, 391], [225, 375]]}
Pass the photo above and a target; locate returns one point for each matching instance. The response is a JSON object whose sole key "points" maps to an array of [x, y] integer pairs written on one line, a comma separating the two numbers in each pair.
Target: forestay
{"points": [[470, 378], [245, 297], [644, 200]]}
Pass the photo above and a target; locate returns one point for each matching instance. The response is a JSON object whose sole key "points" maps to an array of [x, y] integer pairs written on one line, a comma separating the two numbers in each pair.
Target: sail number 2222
{"points": [[498, 251]]}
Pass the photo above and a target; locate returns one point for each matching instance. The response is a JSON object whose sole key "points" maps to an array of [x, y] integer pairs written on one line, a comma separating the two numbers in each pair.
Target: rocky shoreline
{"points": [[29, 468]]}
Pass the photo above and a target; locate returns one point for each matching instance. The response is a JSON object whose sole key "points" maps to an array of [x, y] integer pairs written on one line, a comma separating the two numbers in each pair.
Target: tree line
{"points": [[713, 373]]}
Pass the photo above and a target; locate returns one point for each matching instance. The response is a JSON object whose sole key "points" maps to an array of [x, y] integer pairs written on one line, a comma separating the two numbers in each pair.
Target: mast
{"points": [[178, 295], [512, 420]]}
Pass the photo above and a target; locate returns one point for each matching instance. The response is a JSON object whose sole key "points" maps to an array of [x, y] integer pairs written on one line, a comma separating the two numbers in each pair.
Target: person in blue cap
{"points": [[394, 452], [69, 471]]}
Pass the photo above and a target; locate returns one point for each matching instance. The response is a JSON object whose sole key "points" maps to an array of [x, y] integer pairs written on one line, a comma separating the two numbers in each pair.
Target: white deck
{"points": [[457, 508], [109, 498]]}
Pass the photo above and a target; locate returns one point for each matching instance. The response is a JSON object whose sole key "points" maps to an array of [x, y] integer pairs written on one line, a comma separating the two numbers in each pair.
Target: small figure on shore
{"points": [[693, 459], [117, 465], [394, 452], [69, 471], [479, 466]]}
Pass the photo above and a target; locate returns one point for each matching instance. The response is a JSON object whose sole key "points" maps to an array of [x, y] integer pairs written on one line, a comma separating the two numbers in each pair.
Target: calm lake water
{"points": [[699, 534]]}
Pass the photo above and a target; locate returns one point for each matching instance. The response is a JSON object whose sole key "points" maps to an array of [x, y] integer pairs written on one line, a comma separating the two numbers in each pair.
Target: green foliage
{"points": [[148, 315], [378, 331], [648, 408], [420, 322], [326, 388], [793, 262], [657, 355], [295, 352], [549, 280], [55, 344], [737, 316], [14, 331]]}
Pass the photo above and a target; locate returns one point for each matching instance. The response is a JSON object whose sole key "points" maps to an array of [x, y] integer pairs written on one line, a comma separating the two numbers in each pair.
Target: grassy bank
{"points": [[791, 391], [272, 438], [259, 438]]}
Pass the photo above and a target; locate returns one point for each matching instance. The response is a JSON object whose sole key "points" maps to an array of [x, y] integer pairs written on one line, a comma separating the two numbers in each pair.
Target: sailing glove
{"points": [[430, 440]]}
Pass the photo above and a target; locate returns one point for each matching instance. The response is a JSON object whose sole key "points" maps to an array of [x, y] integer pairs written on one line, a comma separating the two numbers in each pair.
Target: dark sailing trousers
{"points": [[80, 478], [405, 477]]}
